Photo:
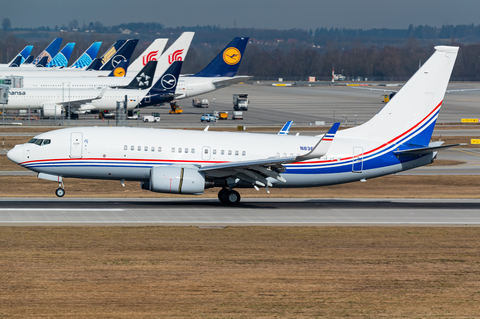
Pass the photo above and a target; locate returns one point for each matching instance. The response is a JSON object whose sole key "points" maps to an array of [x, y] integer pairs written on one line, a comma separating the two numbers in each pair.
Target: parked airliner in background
{"points": [[52, 102], [110, 59], [121, 76], [87, 57], [23, 55], [397, 138]]}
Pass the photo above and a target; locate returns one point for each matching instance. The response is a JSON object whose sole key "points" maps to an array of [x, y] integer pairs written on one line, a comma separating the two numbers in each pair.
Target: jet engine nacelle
{"points": [[176, 180], [51, 110]]}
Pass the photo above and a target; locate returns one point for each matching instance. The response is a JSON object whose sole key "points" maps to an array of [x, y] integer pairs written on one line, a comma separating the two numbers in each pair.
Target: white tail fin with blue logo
{"points": [[409, 118]]}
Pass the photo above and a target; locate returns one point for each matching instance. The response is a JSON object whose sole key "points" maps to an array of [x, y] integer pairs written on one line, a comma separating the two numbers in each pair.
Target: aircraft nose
{"points": [[16, 154]]}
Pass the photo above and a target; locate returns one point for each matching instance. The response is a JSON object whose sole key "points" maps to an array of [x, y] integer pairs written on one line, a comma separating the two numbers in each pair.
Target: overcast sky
{"points": [[270, 14]]}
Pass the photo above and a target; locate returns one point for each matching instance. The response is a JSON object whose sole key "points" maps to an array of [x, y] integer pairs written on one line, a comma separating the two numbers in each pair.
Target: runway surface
{"points": [[261, 212]]}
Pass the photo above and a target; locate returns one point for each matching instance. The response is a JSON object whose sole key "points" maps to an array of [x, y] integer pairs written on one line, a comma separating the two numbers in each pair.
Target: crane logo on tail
{"points": [[168, 81], [175, 56], [151, 56], [232, 56]]}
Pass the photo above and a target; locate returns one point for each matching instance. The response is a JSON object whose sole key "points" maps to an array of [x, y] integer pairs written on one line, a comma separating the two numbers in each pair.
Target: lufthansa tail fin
{"points": [[23, 55], [226, 63], [144, 78], [167, 84], [87, 57], [50, 51], [62, 57], [124, 53], [120, 70]]}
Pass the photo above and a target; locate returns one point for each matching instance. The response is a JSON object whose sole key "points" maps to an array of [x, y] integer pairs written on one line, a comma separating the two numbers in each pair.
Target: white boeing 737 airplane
{"points": [[397, 138]]}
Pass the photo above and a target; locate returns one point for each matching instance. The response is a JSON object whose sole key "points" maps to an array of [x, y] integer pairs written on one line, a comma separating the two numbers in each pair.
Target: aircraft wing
{"points": [[78, 103], [257, 171], [230, 81]]}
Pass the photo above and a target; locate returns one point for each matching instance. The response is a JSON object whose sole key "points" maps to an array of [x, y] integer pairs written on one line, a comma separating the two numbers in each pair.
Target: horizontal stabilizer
{"points": [[424, 150]]}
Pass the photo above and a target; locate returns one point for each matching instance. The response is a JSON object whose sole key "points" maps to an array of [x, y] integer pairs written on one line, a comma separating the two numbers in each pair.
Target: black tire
{"points": [[221, 195], [60, 192], [232, 197], [145, 120]]}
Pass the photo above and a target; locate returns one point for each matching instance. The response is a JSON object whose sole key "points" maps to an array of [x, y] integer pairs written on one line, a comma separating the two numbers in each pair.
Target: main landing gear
{"points": [[228, 196]]}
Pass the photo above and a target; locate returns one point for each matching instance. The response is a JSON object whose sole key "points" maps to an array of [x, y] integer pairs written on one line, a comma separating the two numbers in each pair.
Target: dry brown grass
{"points": [[239, 272], [393, 186]]}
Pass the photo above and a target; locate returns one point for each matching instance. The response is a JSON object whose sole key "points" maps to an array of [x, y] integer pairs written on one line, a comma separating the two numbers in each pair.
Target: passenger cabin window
{"points": [[139, 148], [125, 147], [179, 150], [214, 152], [236, 153], [153, 149], [229, 152], [186, 150], [193, 150], [146, 148], [173, 149], [244, 153], [159, 149], [132, 148], [222, 152], [206, 151]]}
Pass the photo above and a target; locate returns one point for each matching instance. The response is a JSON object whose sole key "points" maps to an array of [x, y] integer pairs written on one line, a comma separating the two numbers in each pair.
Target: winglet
{"points": [[322, 146], [286, 128]]}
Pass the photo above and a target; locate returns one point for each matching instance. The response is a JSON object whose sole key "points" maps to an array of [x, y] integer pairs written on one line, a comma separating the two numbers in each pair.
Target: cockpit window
{"points": [[40, 141]]}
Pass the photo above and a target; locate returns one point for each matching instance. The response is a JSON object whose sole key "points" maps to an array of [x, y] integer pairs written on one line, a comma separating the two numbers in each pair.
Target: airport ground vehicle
{"points": [[200, 103], [155, 117], [240, 101], [237, 115], [175, 108], [208, 118], [223, 116]]}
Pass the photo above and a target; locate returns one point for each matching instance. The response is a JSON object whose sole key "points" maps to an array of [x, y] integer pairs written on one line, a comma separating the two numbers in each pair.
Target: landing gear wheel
{"points": [[221, 195], [232, 197], [60, 192]]}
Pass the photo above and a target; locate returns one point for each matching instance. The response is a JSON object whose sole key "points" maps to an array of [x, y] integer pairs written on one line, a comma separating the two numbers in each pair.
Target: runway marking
{"points": [[64, 209], [243, 222], [471, 153]]}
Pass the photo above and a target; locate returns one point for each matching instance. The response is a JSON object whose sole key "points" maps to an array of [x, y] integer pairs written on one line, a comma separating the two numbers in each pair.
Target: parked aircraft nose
{"points": [[16, 154]]}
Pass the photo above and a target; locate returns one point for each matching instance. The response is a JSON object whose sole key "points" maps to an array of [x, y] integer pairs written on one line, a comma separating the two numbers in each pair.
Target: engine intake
{"points": [[51, 110], [176, 180]]}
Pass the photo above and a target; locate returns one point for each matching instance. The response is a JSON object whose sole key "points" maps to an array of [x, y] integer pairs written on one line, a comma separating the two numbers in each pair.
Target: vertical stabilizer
{"points": [[124, 53], [176, 52], [62, 57], [410, 117], [87, 57], [226, 63], [152, 53], [50, 51], [23, 54]]}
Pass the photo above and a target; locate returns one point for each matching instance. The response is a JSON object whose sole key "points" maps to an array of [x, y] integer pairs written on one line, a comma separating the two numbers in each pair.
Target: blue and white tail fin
{"points": [[42, 63], [29, 60], [120, 70], [50, 51], [152, 53], [15, 63], [286, 128], [408, 120], [95, 65], [23, 55], [124, 53], [87, 57], [164, 88], [62, 57], [226, 63]]}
